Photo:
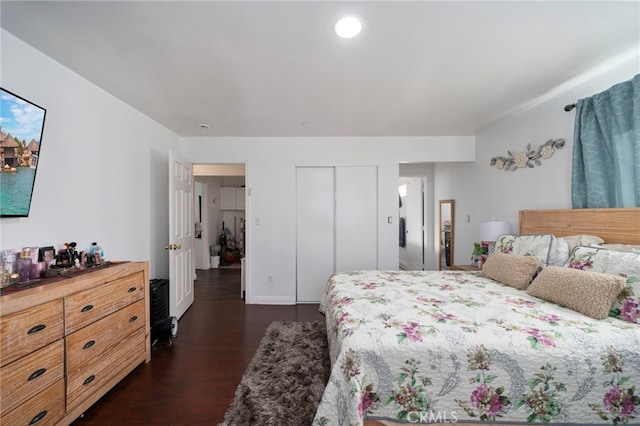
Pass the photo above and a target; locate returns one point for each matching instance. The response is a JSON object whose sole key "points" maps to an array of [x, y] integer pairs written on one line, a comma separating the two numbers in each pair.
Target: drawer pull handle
{"points": [[133, 318], [89, 344], [88, 380], [38, 417], [132, 289], [86, 308], [36, 328], [37, 374]]}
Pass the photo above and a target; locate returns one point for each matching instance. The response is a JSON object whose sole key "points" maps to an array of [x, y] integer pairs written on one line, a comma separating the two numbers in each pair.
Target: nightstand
{"points": [[465, 268]]}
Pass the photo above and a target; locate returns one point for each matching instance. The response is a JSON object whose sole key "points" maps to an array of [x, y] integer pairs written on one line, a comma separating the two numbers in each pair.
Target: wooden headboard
{"points": [[619, 225]]}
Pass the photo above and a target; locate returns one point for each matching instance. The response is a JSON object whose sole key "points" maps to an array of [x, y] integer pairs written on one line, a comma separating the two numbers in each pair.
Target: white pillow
{"points": [[625, 248], [559, 252], [582, 240]]}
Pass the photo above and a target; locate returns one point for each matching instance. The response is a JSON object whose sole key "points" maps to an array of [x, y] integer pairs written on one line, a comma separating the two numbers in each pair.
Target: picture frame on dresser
{"points": [[46, 254]]}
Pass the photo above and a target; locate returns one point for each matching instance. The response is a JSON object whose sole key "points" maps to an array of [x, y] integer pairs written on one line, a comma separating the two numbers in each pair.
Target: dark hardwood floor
{"points": [[193, 381]]}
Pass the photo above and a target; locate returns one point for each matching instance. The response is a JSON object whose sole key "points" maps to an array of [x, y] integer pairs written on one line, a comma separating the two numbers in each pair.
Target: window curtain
{"points": [[606, 148]]}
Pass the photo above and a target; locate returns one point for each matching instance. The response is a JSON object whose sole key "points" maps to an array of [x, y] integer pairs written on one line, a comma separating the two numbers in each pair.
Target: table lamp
{"points": [[491, 230]]}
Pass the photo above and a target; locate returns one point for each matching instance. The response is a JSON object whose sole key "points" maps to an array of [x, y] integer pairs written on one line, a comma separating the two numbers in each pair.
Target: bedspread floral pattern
{"points": [[620, 403], [542, 403], [486, 402], [429, 346]]}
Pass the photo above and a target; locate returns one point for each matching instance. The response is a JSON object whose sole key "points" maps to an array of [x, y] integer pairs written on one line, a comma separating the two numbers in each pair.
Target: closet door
{"points": [[314, 231], [356, 218]]}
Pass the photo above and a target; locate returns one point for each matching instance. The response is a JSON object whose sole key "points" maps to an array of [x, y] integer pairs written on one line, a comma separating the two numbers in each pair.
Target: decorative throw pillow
{"points": [[514, 271], [626, 265], [590, 293], [526, 245]]}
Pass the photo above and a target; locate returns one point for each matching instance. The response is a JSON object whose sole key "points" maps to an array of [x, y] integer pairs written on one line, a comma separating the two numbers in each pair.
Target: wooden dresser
{"points": [[66, 343]]}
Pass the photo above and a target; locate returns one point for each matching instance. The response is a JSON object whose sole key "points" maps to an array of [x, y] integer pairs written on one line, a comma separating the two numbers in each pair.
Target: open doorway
{"points": [[416, 207], [220, 217], [411, 232]]}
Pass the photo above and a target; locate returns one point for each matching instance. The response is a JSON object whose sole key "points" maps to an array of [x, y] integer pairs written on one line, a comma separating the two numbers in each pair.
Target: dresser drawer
{"points": [[90, 343], [81, 384], [30, 375], [30, 329], [90, 305], [46, 408]]}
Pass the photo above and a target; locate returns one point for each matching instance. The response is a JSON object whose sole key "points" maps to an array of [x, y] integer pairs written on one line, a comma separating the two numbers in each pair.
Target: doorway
{"points": [[416, 249], [220, 218], [411, 228]]}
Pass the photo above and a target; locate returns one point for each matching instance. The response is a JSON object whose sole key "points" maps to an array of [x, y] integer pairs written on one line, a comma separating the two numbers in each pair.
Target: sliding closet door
{"points": [[356, 218], [315, 231]]}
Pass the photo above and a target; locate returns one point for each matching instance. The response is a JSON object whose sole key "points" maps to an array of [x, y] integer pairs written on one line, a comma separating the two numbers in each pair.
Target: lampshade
{"points": [[490, 231]]}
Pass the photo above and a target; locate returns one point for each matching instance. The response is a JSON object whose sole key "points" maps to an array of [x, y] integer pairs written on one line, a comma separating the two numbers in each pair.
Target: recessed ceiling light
{"points": [[348, 27], [203, 127]]}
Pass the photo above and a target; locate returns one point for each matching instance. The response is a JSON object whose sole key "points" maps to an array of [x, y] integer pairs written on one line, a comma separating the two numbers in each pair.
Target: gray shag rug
{"points": [[286, 378]]}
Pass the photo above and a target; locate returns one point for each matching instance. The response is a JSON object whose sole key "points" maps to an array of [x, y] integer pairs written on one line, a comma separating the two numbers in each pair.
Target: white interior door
{"points": [[356, 218], [181, 229], [414, 226], [314, 231]]}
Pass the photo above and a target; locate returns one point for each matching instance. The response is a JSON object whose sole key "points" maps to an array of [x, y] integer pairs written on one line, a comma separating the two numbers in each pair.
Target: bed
{"points": [[460, 347]]}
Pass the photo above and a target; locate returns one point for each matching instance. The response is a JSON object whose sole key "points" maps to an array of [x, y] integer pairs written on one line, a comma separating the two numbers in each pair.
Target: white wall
{"points": [[103, 171], [483, 192], [270, 180]]}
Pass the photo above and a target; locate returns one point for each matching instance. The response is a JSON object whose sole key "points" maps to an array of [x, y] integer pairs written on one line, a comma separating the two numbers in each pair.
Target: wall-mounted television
{"points": [[21, 128]]}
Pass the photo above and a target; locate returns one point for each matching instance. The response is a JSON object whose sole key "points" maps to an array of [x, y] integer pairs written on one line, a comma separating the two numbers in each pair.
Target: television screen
{"points": [[21, 127]]}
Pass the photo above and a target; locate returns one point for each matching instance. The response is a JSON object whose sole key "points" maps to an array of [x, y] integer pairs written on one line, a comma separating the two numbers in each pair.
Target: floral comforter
{"points": [[436, 346]]}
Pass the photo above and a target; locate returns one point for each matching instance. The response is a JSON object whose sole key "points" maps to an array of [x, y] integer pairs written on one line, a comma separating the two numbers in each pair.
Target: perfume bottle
{"points": [[9, 261], [23, 265], [96, 254]]}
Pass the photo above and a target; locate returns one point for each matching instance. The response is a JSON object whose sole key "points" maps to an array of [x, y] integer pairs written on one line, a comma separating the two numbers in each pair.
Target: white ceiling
{"points": [[267, 68]]}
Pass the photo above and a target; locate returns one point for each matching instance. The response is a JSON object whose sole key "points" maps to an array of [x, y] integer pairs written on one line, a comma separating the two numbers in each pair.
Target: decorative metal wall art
{"points": [[528, 158]]}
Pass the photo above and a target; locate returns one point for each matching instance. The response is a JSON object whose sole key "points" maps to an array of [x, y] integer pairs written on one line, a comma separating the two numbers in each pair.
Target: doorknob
{"points": [[173, 247]]}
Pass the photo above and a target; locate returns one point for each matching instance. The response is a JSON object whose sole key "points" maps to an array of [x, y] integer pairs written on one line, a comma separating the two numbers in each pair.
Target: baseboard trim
{"points": [[270, 300]]}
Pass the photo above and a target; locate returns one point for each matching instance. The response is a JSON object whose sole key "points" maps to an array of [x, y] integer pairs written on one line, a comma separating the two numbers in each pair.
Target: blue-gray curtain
{"points": [[606, 148]]}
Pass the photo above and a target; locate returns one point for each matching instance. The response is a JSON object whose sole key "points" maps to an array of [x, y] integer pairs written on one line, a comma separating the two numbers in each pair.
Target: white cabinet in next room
{"points": [[231, 198]]}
